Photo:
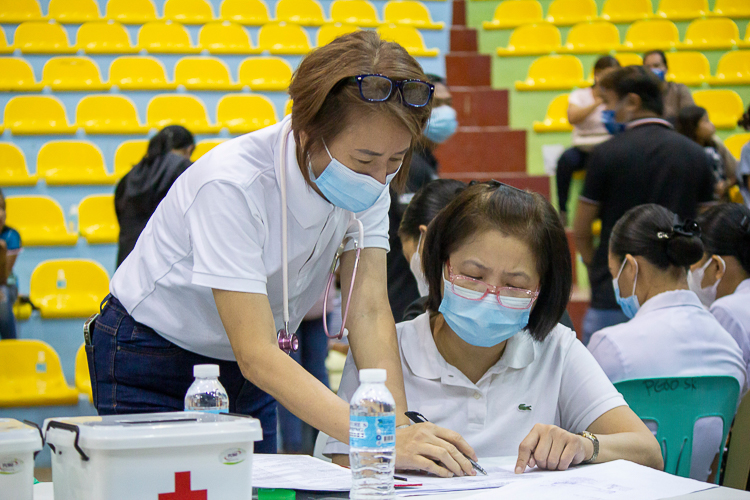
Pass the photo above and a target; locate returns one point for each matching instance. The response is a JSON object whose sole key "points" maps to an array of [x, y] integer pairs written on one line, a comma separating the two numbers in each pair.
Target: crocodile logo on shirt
{"points": [[524, 407]]}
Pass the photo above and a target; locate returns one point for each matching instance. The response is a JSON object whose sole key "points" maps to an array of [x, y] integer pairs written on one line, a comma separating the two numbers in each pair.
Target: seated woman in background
{"points": [[141, 190], [693, 123], [721, 279], [489, 359], [670, 333]]}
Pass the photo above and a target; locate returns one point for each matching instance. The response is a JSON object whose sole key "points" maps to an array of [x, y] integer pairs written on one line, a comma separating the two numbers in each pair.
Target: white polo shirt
{"points": [[733, 313], [552, 382], [672, 335], [220, 227]]}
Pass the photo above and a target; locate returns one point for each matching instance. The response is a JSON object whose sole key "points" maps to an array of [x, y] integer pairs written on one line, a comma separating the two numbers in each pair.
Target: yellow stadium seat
{"points": [[265, 73], [19, 11], [592, 38], [71, 163], [165, 38], [711, 34], [329, 32], [13, 171], [204, 73], [242, 113], [724, 107], [732, 8], [226, 38], [39, 220], [746, 42], [569, 12], [185, 110], [682, 10], [514, 13], [204, 147], [102, 37], [139, 73], [410, 13], [690, 68], [31, 375], [127, 155], [22, 310], [629, 59], [97, 220], [302, 12], [68, 288], [357, 12], [734, 143], [82, 376], [627, 11], [188, 11], [532, 39], [649, 35], [41, 37], [131, 11], [557, 117], [409, 38], [554, 73], [288, 107], [108, 114], [247, 12], [34, 115], [4, 48], [733, 69], [16, 75], [283, 38], [73, 11], [72, 73]]}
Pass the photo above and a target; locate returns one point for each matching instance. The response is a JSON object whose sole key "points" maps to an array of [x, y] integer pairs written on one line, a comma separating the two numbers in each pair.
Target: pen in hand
{"points": [[418, 418]]}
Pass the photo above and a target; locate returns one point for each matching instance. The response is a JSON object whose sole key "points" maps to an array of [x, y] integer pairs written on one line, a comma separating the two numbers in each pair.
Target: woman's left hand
{"points": [[553, 448]]}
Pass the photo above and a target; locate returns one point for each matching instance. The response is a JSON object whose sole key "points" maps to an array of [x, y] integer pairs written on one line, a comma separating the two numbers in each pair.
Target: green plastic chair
{"points": [[675, 404]]}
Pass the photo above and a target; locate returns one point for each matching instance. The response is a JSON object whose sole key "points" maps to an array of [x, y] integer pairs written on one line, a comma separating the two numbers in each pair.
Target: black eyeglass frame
{"points": [[496, 184], [395, 84]]}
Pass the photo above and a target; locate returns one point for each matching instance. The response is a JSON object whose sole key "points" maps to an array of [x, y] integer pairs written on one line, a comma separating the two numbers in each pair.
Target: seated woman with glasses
{"points": [[489, 360]]}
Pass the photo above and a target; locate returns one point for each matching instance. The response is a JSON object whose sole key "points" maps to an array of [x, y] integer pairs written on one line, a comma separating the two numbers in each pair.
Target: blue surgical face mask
{"points": [[608, 120], [348, 189], [660, 73], [629, 305], [442, 124], [482, 323]]}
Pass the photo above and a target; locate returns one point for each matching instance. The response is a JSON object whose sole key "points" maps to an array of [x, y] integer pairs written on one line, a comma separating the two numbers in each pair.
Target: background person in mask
{"points": [[675, 95], [721, 279], [648, 162], [669, 334], [141, 190], [489, 358], [402, 289]]}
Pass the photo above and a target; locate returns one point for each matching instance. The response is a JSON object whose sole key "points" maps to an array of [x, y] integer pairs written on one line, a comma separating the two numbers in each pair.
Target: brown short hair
{"points": [[324, 102]]}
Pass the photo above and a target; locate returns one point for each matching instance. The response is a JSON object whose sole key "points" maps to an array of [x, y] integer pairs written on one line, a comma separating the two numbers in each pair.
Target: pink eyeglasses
{"points": [[507, 296]]}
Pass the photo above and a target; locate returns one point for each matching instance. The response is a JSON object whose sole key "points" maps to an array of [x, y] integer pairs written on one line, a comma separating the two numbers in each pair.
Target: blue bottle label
{"points": [[372, 432]]}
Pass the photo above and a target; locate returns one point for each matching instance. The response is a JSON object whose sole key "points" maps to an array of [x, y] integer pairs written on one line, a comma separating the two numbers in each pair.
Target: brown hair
{"points": [[323, 101]]}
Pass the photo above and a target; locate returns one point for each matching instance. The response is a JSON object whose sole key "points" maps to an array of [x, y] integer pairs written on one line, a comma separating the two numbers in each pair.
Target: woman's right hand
{"points": [[427, 447]]}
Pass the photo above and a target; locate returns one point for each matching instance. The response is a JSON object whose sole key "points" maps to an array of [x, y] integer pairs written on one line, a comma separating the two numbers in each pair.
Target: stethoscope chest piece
{"points": [[288, 342]]}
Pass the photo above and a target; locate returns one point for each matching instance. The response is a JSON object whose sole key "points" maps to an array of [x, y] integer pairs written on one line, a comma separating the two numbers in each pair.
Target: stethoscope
{"points": [[288, 341]]}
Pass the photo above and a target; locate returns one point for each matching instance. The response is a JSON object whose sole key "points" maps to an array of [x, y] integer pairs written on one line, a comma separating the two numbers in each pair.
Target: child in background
{"points": [[10, 247]]}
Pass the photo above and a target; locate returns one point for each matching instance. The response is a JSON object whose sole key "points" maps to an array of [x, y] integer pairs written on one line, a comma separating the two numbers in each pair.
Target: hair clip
{"points": [[662, 235], [688, 228]]}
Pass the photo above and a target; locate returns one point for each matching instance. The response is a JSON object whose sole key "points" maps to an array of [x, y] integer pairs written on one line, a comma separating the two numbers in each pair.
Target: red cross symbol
{"points": [[182, 489]]}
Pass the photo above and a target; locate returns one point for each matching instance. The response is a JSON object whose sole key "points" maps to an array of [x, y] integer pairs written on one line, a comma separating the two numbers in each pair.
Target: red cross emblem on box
{"points": [[182, 489]]}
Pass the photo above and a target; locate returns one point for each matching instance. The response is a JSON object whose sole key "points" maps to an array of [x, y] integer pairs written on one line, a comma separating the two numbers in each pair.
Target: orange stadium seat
{"points": [[13, 170], [188, 11], [102, 37], [39, 220], [265, 73], [139, 73], [409, 38], [97, 220], [329, 32], [724, 107], [165, 38], [68, 288], [131, 11], [733, 69], [410, 13], [532, 39], [108, 114], [204, 147], [690, 68], [72, 73], [682, 10], [19, 11], [71, 163], [556, 119], [627, 11], [16, 75], [127, 155], [243, 113], [514, 13], [226, 38], [649, 35], [711, 34], [185, 110], [732, 8], [41, 37], [204, 73], [302, 12], [34, 115], [283, 38], [357, 12], [246, 12], [554, 73], [592, 38], [73, 11], [569, 12]]}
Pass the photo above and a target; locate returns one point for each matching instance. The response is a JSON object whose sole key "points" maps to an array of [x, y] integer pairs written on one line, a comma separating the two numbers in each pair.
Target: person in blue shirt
{"points": [[10, 247]]}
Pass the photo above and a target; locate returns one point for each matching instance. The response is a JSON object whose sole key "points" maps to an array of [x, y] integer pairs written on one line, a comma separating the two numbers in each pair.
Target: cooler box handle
{"points": [[68, 427]]}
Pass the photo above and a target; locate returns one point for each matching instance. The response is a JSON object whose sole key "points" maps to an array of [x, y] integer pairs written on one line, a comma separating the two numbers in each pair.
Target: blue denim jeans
{"points": [[135, 370], [596, 319], [8, 295]]}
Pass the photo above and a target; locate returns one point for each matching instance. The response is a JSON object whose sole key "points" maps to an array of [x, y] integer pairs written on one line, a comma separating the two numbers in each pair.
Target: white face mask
{"points": [[416, 269], [706, 295]]}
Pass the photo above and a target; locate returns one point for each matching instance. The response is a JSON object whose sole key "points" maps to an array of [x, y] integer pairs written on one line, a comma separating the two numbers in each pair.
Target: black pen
{"points": [[418, 418]]}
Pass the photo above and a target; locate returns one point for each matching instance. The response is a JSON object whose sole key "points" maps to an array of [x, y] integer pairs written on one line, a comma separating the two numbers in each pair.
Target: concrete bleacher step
{"points": [[480, 106], [463, 39], [483, 149]]}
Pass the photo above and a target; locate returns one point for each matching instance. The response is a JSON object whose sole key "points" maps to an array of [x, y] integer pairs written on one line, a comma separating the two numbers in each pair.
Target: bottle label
{"points": [[372, 432]]}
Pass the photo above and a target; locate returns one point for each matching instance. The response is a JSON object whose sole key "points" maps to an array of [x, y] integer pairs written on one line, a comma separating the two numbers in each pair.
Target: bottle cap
{"points": [[372, 375], [205, 371]]}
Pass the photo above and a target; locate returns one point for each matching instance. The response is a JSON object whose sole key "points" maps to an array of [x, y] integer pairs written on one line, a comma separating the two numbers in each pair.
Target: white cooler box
{"points": [[157, 456], [18, 442]]}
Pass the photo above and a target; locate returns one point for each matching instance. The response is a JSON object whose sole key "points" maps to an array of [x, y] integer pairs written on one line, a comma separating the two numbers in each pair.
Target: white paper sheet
{"points": [[299, 472], [497, 477]]}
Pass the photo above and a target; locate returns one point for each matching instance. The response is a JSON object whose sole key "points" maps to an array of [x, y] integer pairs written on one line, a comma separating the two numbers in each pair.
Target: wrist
{"points": [[590, 446]]}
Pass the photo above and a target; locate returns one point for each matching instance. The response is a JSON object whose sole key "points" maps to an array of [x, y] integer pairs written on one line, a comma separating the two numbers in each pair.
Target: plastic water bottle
{"points": [[207, 394], [372, 438]]}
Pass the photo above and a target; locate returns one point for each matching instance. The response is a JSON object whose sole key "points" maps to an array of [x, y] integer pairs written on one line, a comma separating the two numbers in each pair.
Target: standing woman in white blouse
{"points": [[721, 279], [241, 248]]}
